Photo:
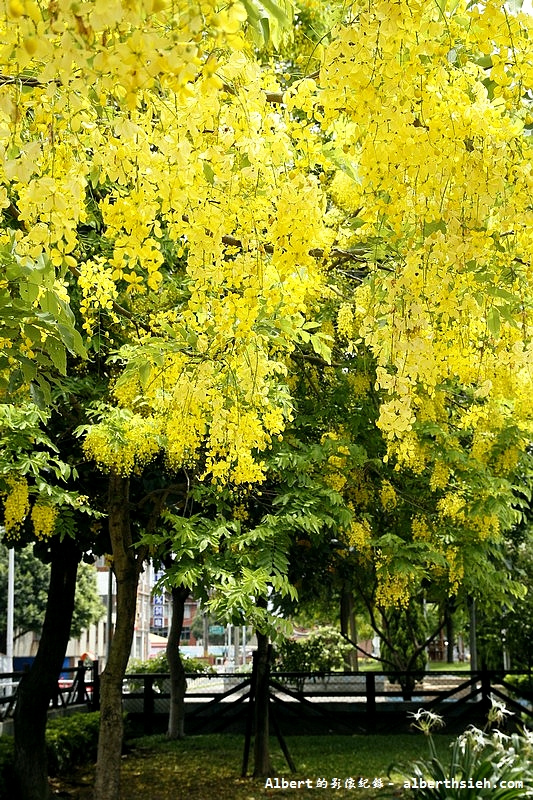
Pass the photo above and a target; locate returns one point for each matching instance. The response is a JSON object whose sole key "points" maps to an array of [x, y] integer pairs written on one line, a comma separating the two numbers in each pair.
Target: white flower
{"points": [[426, 721], [498, 711]]}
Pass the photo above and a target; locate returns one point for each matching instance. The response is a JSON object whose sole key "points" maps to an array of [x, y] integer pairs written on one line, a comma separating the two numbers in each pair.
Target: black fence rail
{"points": [[340, 702], [76, 686]]}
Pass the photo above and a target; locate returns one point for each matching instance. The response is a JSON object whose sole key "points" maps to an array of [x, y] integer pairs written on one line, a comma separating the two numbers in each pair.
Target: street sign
{"points": [[216, 630]]}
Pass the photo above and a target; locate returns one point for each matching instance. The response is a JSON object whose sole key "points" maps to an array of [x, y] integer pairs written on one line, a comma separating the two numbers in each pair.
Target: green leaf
{"points": [[144, 373], [209, 173], [338, 158], [38, 396], [72, 340], [56, 351], [265, 29], [493, 322], [321, 347], [281, 11]]}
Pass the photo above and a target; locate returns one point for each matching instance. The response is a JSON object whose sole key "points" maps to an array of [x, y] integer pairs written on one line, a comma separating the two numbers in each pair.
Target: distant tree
{"points": [[32, 578], [31, 588], [403, 645]]}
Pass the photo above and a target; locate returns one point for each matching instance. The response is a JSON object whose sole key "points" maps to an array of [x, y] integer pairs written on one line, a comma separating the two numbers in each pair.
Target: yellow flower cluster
{"points": [[345, 191], [507, 460], [124, 444], [98, 290], [444, 177], [16, 506], [360, 491], [43, 518], [452, 506], [359, 383], [345, 321], [487, 526], [387, 496], [240, 512], [335, 480], [420, 529], [141, 124], [393, 588], [408, 453], [439, 476], [359, 536], [455, 568]]}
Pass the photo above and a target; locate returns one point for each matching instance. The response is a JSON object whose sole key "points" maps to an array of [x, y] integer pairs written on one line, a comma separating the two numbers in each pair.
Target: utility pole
{"points": [[206, 634], [10, 608], [109, 622]]}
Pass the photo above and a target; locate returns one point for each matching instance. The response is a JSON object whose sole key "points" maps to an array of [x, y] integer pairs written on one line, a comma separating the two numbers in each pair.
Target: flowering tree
{"points": [[158, 181]]}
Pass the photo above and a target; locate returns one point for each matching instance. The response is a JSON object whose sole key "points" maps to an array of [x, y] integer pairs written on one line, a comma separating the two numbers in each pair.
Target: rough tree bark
{"points": [[262, 763], [39, 685], [178, 684], [127, 564]]}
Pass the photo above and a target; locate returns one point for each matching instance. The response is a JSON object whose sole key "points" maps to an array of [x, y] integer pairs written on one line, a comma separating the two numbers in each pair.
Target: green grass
{"points": [[442, 666], [370, 665], [208, 767]]}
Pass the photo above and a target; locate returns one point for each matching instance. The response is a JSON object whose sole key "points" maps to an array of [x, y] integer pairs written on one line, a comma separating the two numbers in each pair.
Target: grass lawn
{"points": [[442, 666], [369, 665], [208, 768]]}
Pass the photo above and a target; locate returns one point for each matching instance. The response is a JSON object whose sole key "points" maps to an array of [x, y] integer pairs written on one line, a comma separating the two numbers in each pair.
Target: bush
{"points": [[322, 651], [523, 685], [71, 740], [159, 664], [7, 752]]}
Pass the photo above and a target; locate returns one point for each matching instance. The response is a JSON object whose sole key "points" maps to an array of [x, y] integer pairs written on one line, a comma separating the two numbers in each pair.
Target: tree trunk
{"points": [[40, 684], [450, 635], [178, 684], [349, 628], [262, 764], [126, 566], [473, 634]]}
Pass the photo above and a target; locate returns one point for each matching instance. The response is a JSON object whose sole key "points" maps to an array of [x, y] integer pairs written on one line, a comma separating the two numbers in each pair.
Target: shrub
{"points": [[322, 651], [523, 685], [159, 664], [71, 740], [6, 767]]}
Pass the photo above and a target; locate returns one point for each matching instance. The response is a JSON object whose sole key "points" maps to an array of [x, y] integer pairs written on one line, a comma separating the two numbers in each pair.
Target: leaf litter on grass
{"points": [[208, 767]]}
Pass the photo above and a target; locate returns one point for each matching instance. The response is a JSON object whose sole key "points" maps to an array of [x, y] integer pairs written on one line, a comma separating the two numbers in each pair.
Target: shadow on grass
{"points": [[208, 768]]}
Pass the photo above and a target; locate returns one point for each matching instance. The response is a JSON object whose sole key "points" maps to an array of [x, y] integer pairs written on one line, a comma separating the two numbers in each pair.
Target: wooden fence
{"points": [[337, 702], [77, 686], [310, 702]]}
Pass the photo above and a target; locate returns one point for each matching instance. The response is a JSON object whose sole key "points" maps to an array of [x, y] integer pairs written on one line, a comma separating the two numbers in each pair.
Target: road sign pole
{"points": [[10, 608]]}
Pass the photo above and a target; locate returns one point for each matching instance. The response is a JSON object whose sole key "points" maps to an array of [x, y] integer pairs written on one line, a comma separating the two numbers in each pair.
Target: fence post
{"points": [[485, 690], [80, 684], [148, 704], [370, 700], [95, 700], [56, 695]]}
